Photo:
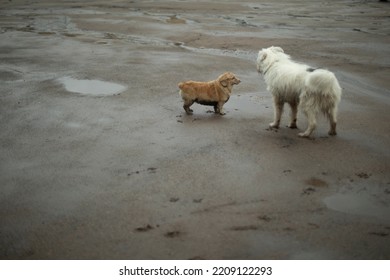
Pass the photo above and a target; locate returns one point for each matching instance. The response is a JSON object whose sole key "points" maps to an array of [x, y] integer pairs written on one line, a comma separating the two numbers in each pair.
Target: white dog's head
{"points": [[268, 56]]}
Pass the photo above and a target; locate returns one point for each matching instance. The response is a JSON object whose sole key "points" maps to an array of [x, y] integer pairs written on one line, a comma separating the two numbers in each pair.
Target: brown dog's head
{"points": [[228, 79]]}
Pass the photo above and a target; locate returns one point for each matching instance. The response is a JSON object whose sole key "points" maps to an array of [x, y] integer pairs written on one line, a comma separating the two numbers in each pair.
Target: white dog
{"points": [[314, 90]]}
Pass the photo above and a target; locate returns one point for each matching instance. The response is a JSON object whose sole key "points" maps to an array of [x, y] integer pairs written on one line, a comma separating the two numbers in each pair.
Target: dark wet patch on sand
{"points": [[173, 234], [144, 228], [244, 228], [316, 182]]}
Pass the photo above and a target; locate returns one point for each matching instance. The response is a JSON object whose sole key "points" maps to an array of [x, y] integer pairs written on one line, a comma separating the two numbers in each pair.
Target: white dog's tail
{"points": [[322, 92]]}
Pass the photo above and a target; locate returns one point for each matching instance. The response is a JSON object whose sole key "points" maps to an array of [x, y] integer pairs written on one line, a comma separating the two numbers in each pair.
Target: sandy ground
{"points": [[124, 173]]}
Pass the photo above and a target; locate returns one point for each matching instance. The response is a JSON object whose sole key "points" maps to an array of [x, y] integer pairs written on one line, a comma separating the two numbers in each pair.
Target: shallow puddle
{"points": [[91, 87], [357, 205], [245, 105]]}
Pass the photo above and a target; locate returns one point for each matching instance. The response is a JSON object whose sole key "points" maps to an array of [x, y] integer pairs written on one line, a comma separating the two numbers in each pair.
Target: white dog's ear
{"points": [[277, 49], [263, 56]]}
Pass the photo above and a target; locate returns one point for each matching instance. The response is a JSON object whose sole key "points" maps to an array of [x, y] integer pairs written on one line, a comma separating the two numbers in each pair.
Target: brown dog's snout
{"points": [[237, 80]]}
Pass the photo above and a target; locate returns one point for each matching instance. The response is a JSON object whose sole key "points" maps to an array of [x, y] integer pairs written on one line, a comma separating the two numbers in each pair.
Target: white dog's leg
{"points": [[311, 118], [294, 112], [278, 109], [333, 121]]}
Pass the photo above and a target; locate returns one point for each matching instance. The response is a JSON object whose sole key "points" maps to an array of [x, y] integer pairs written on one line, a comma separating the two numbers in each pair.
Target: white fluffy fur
{"points": [[314, 90]]}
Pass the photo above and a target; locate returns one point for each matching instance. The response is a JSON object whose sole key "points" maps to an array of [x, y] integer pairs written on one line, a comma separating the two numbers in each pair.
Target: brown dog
{"points": [[214, 93]]}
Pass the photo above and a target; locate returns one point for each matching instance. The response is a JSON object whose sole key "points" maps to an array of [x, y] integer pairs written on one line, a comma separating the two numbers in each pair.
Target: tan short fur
{"points": [[213, 93]]}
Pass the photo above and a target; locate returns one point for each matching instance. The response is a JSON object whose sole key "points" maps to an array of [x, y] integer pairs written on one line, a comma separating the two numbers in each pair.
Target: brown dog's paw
{"points": [[188, 110]]}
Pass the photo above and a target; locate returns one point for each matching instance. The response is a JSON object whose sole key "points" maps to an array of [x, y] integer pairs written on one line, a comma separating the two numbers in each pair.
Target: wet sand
{"points": [[117, 170]]}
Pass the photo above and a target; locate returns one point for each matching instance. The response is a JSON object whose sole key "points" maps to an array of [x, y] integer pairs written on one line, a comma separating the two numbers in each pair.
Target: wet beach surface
{"points": [[100, 161]]}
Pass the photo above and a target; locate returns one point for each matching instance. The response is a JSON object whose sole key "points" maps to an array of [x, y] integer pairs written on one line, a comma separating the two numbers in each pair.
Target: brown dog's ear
{"points": [[224, 82], [223, 79]]}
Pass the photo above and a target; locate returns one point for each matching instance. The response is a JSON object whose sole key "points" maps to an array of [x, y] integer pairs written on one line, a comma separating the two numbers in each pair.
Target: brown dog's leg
{"points": [[186, 106], [219, 109], [216, 110]]}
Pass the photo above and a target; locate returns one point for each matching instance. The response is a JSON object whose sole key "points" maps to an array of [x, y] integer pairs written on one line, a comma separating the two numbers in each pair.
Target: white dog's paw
{"points": [[292, 125], [332, 132], [274, 125], [304, 135]]}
